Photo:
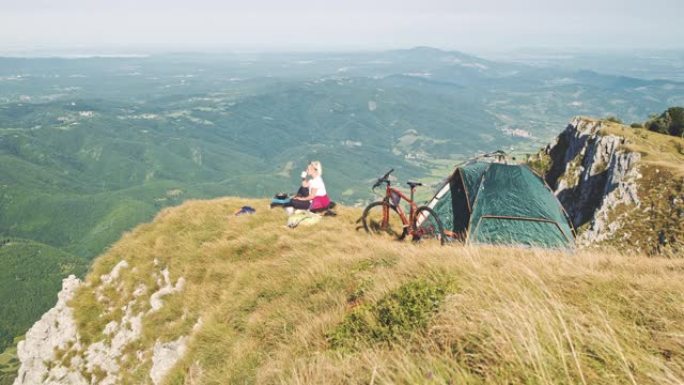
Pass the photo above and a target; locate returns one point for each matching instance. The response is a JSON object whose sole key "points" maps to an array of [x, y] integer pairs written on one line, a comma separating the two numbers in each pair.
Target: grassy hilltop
{"points": [[329, 304]]}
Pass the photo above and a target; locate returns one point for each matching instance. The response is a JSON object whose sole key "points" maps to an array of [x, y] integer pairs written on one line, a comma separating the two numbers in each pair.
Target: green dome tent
{"points": [[495, 203]]}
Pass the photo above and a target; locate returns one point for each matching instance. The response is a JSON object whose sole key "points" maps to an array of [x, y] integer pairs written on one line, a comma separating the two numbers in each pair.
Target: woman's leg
{"points": [[300, 205]]}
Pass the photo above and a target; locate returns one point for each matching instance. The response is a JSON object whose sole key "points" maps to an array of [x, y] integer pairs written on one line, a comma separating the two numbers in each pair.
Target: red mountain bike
{"points": [[387, 216]]}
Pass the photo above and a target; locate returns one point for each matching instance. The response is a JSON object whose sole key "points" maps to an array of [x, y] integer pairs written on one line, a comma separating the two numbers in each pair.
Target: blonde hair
{"points": [[317, 165]]}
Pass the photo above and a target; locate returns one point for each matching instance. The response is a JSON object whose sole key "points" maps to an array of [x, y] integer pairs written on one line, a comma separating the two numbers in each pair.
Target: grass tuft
{"points": [[397, 315]]}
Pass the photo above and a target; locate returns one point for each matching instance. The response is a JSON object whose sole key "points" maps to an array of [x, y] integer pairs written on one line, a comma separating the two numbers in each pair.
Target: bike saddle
{"points": [[414, 184]]}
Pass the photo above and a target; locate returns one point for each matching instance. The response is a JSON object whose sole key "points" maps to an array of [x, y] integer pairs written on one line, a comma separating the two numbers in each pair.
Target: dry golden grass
{"points": [[269, 296]]}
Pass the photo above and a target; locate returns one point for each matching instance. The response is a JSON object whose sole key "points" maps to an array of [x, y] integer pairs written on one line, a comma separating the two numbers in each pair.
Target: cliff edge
{"points": [[621, 186]]}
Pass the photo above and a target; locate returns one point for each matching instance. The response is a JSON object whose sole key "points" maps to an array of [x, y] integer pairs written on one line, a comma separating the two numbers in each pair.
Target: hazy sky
{"points": [[473, 25]]}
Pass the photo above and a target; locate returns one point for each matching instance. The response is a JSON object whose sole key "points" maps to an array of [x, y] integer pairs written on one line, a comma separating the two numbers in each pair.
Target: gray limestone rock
{"points": [[165, 356], [591, 175], [56, 329], [100, 361]]}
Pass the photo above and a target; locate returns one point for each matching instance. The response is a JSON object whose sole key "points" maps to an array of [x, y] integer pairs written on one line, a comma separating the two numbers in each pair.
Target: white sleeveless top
{"points": [[317, 183]]}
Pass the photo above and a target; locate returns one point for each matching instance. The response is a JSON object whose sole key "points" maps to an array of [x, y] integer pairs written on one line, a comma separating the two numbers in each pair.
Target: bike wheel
{"points": [[427, 226], [373, 222]]}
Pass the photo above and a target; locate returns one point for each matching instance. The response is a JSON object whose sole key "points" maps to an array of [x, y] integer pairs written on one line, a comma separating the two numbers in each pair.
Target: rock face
{"points": [[591, 174], [166, 355], [54, 352], [56, 329]]}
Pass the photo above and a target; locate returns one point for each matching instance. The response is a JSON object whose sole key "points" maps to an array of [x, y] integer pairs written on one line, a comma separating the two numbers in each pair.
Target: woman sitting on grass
{"points": [[312, 195]]}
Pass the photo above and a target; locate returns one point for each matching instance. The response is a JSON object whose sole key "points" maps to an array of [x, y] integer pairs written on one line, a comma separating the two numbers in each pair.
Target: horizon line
{"points": [[126, 51]]}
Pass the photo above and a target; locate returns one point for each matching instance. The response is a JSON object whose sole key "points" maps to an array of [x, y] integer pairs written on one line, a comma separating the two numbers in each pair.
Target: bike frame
{"points": [[410, 225], [386, 207]]}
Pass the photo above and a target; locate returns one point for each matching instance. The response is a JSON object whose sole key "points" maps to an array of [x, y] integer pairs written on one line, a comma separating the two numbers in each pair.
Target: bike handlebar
{"points": [[383, 179]]}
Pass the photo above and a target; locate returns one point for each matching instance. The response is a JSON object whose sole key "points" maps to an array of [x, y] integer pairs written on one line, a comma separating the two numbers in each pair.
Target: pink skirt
{"points": [[320, 202]]}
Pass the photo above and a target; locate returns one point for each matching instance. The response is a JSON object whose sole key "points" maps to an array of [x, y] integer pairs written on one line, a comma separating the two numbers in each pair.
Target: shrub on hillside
{"points": [[397, 315], [670, 122], [540, 163]]}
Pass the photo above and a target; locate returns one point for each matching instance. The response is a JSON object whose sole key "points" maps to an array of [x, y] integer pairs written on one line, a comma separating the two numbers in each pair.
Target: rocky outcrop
{"points": [[56, 329], [592, 174], [165, 356], [156, 302], [54, 352]]}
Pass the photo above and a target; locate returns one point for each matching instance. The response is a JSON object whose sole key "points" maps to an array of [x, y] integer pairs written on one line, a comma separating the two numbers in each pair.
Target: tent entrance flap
{"points": [[459, 204]]}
